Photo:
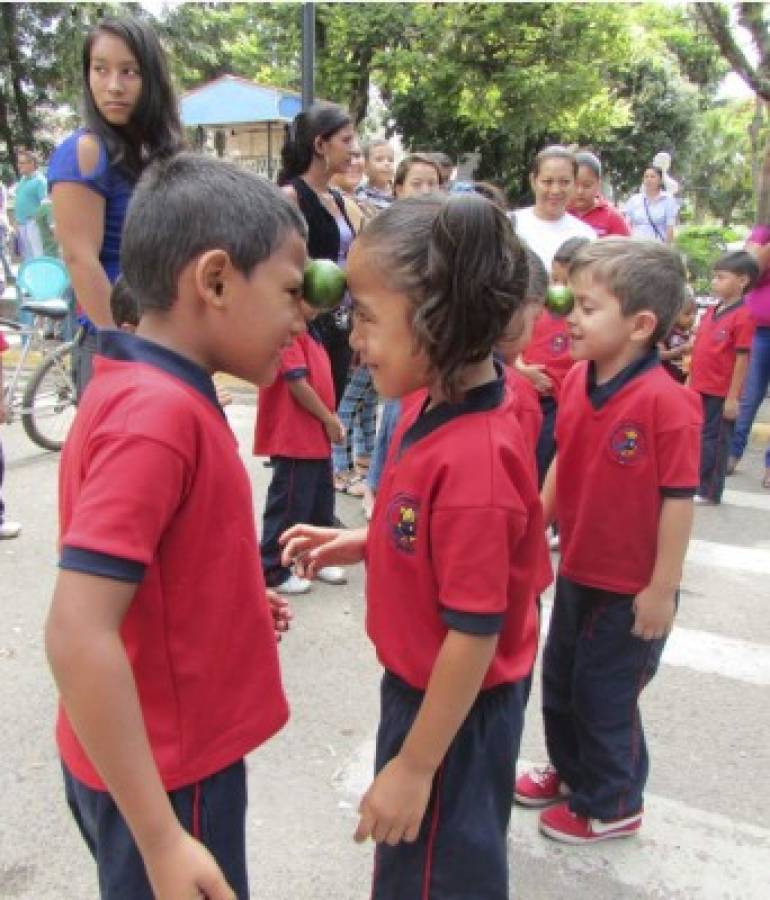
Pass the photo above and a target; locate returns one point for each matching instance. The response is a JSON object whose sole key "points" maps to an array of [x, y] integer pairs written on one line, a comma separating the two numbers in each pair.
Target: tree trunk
{"points": [[754, 131], [17, 73], [763, 190], [6, 133]]}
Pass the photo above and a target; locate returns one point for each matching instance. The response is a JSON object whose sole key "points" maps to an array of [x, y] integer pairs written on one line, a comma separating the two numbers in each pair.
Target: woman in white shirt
{"points": [[652, 213], [547, 225]]}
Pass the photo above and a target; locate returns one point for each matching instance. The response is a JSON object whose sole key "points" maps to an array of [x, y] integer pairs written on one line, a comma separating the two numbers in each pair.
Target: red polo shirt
{"points": [[283, 427], [528, 412], [152, 491], [622, 447], [605, 220], [3, 343], [549, 347], [456, 525], [722, 334]]}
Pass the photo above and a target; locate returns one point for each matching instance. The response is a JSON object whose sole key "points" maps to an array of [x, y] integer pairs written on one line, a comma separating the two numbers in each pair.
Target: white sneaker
{"points": [[294, 585], [332, 575], [9, 530], [700, 500]]}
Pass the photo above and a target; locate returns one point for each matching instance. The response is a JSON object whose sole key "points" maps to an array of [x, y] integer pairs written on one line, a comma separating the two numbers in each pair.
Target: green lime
{"points": [[324, 284], [559, 299]]}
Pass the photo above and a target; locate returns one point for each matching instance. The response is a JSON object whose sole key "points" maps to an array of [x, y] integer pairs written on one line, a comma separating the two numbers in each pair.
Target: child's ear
{"points": [[645, 323], [213, 273]]}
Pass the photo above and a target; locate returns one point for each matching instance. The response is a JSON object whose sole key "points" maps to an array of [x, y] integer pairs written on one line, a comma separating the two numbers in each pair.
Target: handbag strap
{"points": [[659, 236]]}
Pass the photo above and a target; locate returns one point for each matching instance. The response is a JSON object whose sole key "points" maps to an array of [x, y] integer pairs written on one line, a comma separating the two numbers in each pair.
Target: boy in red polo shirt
{"points": [[622, 484], [450, 587], [163, 643], [720, 359], [296, 426]]}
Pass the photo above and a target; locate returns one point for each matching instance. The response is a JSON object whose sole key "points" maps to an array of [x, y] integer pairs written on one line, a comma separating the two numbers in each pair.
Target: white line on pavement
{"points": [[747, 560], [747, 499]]}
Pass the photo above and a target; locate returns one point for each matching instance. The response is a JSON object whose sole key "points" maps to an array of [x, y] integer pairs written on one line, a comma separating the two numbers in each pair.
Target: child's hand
{"points": [[308, 548], [186, 870], [654, 608], [730, 409], [281, 612], [393, 808], [536, 374], [335, 429]]}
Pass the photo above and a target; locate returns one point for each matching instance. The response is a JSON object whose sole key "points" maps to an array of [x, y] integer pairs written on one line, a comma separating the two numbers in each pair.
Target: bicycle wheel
{"points": [[48, 402]]}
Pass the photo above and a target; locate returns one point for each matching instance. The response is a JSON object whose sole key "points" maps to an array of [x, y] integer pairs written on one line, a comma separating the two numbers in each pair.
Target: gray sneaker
{"points": [[294, 585], [9, 530]]}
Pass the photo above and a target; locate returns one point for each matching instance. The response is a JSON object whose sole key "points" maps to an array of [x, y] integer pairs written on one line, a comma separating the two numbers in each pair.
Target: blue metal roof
{"points": [[230, 100]]}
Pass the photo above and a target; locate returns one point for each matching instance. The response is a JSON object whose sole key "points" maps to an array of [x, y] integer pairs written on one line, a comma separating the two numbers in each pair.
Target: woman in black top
{"points": [[319, 144]]}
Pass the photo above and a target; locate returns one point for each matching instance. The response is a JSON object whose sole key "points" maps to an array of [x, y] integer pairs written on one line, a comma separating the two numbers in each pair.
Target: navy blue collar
{"points": [[599, 394], [126, 347], [736, 304], [483, 398]]}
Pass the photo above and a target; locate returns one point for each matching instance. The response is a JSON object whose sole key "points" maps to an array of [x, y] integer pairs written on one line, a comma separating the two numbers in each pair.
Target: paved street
{"points": [[707, 826]]}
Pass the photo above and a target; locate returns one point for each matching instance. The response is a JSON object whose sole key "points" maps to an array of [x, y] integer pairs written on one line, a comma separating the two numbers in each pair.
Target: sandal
{"points": [[342, 482], [356, 486]]}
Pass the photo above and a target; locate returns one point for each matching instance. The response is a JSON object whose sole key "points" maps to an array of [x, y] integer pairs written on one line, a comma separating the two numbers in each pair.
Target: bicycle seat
{"points": [[42, 278], [52, 309]]}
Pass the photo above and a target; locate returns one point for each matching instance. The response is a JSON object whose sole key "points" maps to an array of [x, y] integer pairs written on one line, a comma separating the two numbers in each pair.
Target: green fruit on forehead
{"points": [[559, 299], [324, 284]]}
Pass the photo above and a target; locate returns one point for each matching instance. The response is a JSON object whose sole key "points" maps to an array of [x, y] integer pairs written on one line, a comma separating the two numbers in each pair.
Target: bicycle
{"points": [[45, 401]]}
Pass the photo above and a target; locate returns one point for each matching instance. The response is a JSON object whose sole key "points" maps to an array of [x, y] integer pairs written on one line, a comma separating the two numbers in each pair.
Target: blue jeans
{"points": [[358, 413], [391, 411], [754, 391]]}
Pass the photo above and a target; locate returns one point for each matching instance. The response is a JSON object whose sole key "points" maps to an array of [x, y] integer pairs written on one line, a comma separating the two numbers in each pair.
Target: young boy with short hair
{"points": [[622, 483], [720, 359], [296, 427], [379, 170], [163, 645]]}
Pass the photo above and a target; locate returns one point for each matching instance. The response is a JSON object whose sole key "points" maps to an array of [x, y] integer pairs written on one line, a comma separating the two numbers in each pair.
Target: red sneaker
{"points": [[540, 787], [561, 824]]}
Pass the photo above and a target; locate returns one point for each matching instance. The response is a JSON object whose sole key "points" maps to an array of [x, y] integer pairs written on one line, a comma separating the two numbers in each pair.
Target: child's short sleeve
{"points": [[473, 551], [744, 332], [294, 362], [117, 520], [64, 166], [677, 443]]}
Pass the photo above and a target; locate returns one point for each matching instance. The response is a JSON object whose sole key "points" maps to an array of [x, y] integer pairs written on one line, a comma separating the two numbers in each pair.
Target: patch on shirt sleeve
{"points": [[403, 518], [628, 445]]}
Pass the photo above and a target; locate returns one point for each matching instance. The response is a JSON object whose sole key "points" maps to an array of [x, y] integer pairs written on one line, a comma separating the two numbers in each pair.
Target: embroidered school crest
{"points": [[403, 514], [720, 335], [559, 343], [627, 444]]}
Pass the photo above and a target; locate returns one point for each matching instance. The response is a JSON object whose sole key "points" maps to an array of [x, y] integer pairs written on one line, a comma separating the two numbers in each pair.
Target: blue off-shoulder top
{"points": [[106, 180]]}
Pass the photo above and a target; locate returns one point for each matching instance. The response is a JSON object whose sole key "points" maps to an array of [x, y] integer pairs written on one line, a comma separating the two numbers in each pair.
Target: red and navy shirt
{"points": [[152, 491], [284, 428], [723, 333], [549, 347], [456, 526], [529, 413], [605, 220], [622, 446]]}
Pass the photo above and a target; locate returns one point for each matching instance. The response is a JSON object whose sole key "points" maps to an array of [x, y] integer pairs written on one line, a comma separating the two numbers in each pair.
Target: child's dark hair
{"points": [[568, 250], [492, 192], [154, 131], [319, 120], [537, 283], [414, 159], [192, 203], [590, 161], [373, 144], [123, 304], [739, 262], [463, 269], [642, 275], [555, 151]]}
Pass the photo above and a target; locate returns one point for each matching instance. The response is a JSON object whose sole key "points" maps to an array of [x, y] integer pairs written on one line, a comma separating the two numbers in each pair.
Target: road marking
{"points": [[747, 499], [682, 851], [747, 560]]}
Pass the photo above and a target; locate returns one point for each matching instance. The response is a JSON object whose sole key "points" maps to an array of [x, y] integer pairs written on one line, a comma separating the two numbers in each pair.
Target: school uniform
{"points": [[623, 447], [152, 491], [722, 334], [549, 347], [456, 524], [605, 220], [302, 486]]}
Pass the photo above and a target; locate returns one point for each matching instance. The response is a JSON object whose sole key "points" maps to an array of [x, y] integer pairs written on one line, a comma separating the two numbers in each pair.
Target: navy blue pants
{"points": [[546, 443], [461, 851], [213, 811], [301, 490], [594, 670], [716, 438]]}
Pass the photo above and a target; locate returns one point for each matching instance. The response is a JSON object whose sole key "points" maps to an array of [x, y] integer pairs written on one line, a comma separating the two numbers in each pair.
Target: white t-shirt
{"points": [[545, 237]]}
